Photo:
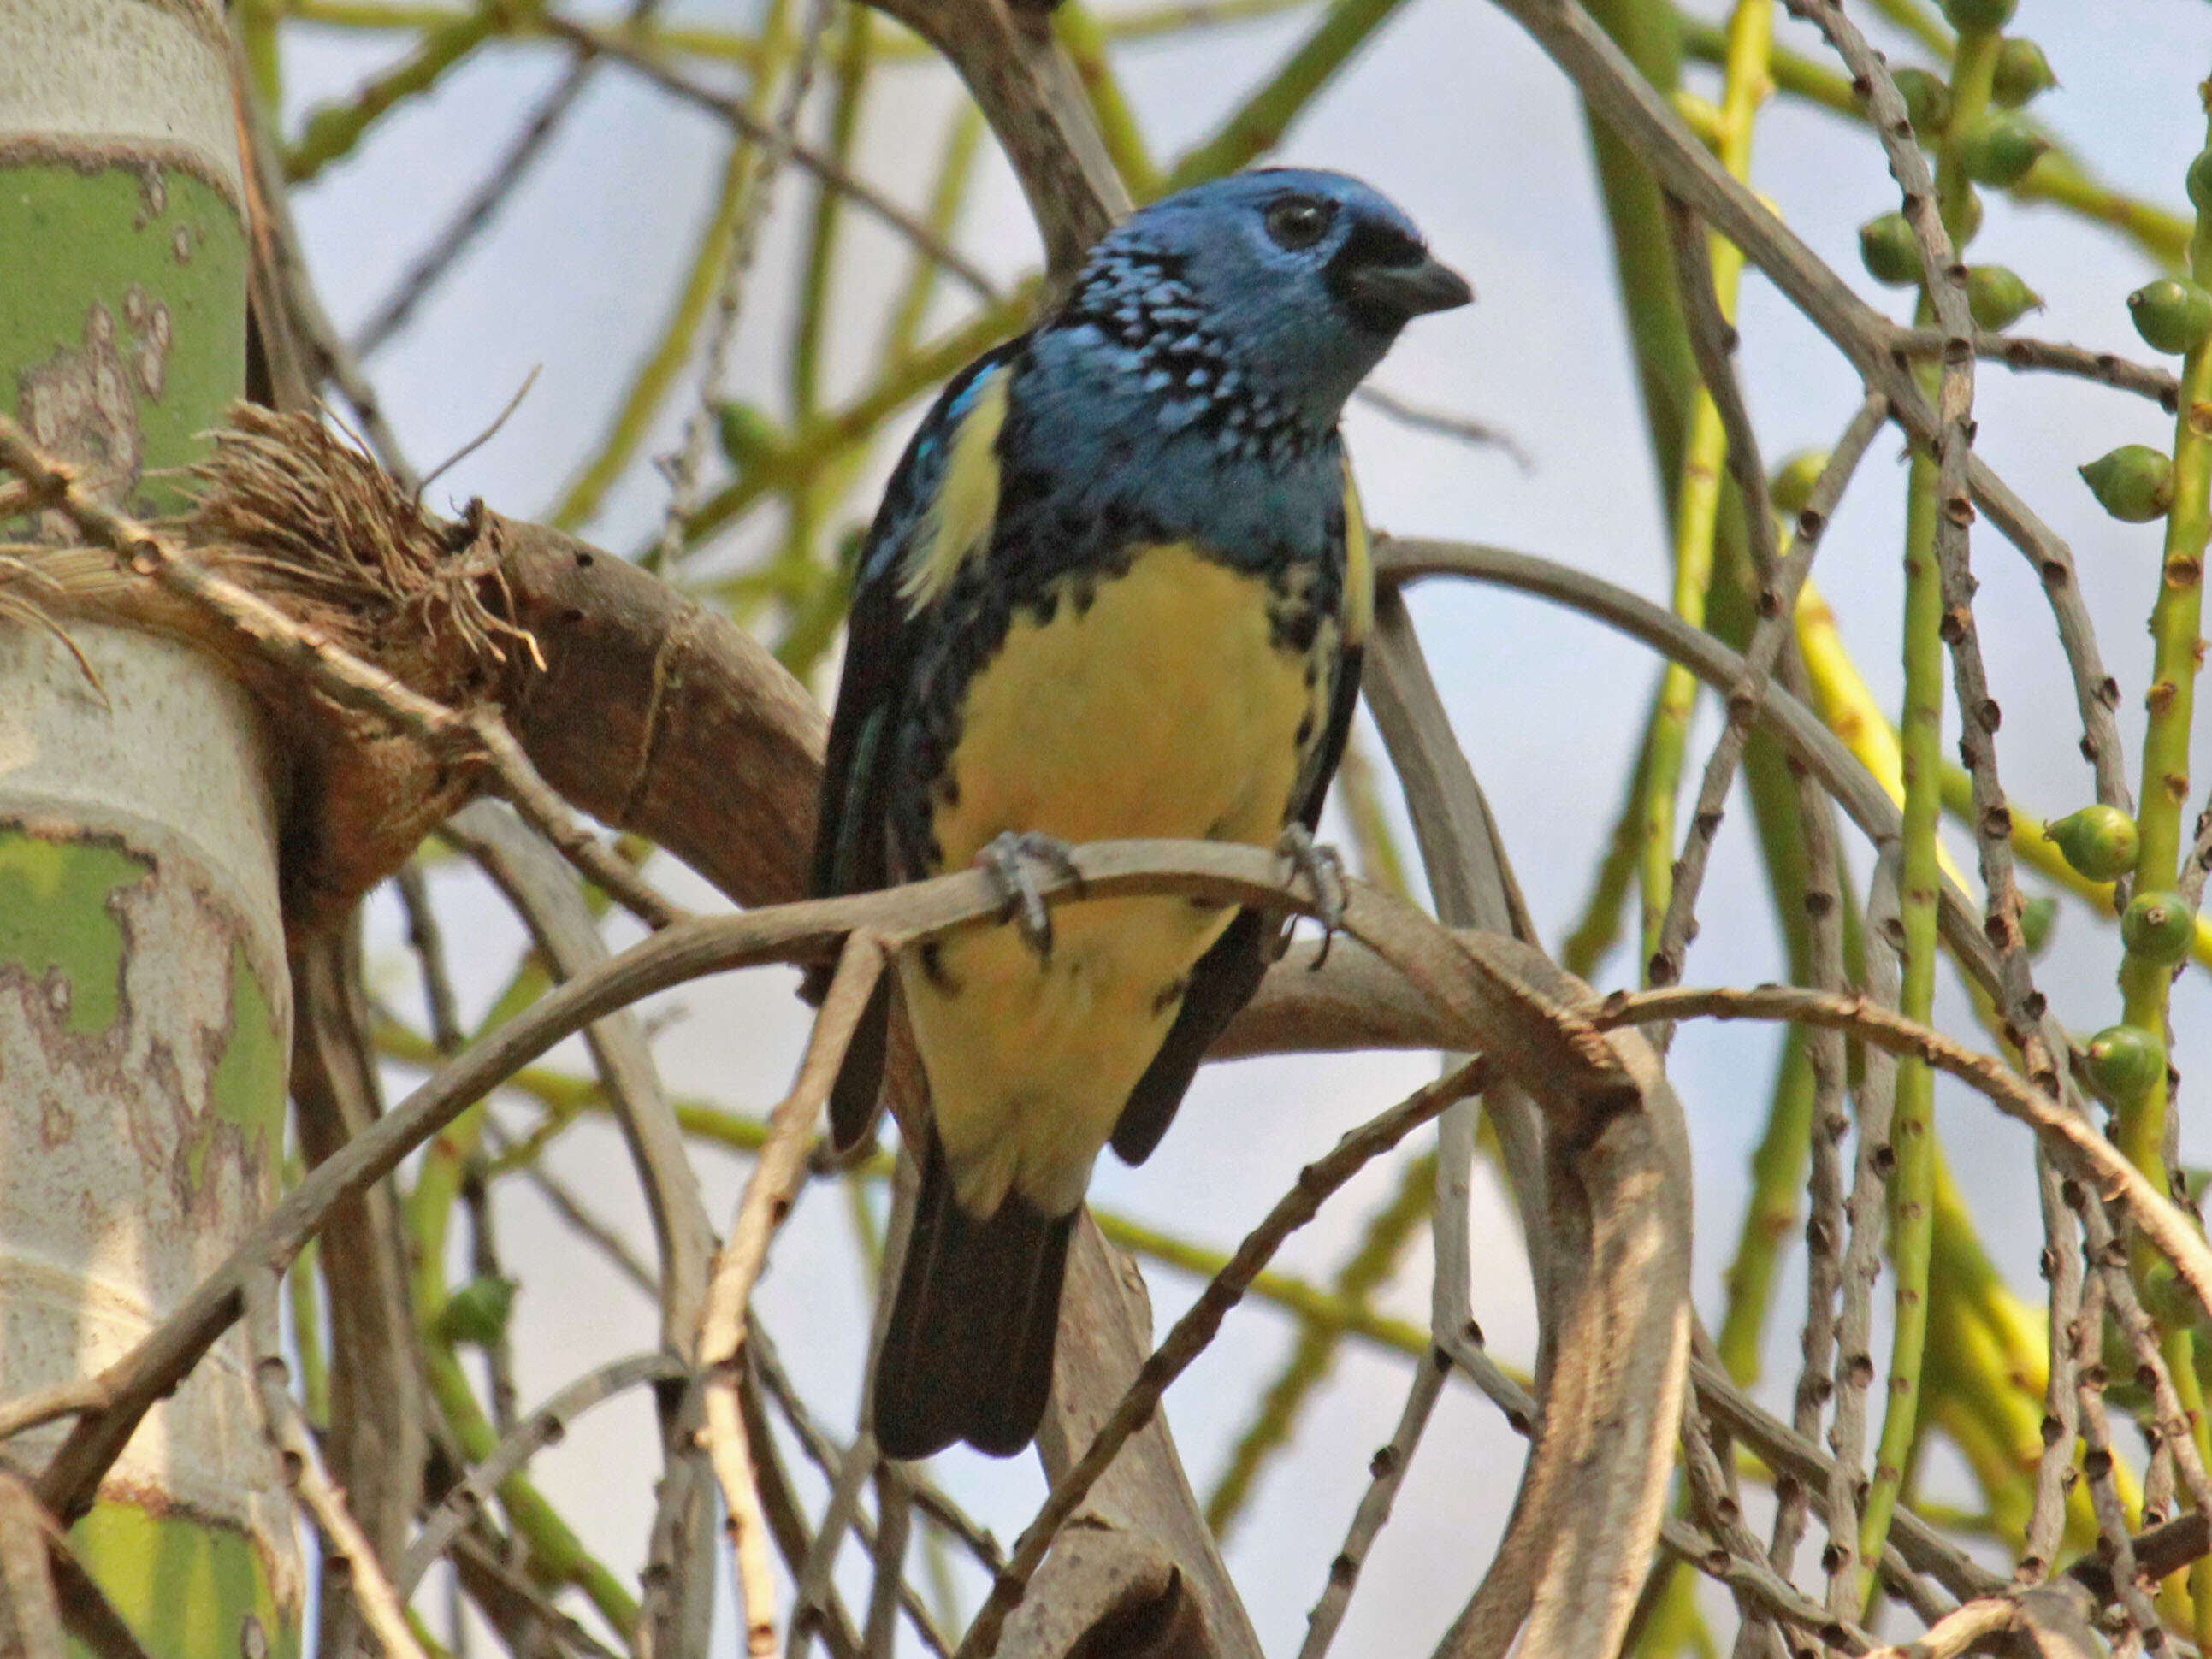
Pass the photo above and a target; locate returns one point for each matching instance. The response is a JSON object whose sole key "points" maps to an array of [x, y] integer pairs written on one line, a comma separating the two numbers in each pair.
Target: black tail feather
{"points": [[969, 1353], [858, 1092]]}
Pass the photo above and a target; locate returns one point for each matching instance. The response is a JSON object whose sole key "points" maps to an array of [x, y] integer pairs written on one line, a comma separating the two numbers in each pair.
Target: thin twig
{"points": [[1626, 102], [776, 1176], [427, 940], [1386, 1473], [810, 1596], [541, 1429], [1196, 1328], [561, 1199], [1462, 427], [469, 219], [826, 169], [887, 1593], [685, 466], [826, 1455], [2019, 354], [1779, 586], [2112, 1535], [381, 1609]]}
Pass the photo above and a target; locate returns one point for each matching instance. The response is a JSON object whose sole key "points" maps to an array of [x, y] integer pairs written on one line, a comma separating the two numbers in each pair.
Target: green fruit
{"points": [[1998, 297], [2159, 928], [1791, 486], [2171, 315], [1984, 16], [1998, 150], [1969, 217], [1927, 100], [2022, 73], [2098, 840], [1890, 250], [2134, 483], [2125, 1064], [747, 433], [2200, 181], [2038, 919], [476, 1313]]}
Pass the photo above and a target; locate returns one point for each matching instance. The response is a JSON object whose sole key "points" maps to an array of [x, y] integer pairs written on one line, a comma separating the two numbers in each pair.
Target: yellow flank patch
{"points": [[1164, 707], [958, 525], [1358, 566]]}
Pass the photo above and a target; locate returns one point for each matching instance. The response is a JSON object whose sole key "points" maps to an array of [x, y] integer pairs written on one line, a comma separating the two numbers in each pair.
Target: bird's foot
{"points": [[1321, 868], [1011, 859]]}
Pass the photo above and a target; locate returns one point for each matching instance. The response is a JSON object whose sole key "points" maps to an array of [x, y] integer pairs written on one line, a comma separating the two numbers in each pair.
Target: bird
{"points": [[1118, 586]]}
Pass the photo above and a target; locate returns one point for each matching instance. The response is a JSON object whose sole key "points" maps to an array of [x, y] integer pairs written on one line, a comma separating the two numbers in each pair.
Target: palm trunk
{"points": [[144, 1006]]}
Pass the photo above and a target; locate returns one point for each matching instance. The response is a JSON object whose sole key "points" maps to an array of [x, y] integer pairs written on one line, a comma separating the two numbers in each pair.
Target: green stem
{"points": [[1081, 36], [557, 1556], [2145, 984], [1585, 949], [1259, 124], [565, 1097], [658, 375], [1698, 499], [332, 132], [1770, 1214], [956, 167], [1919, 21], [821, 441], [1913, 1131], [2059, 178], [853, 63]]}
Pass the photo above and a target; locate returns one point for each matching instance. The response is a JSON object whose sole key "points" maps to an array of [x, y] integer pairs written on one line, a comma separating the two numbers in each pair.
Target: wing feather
{"points": [[851, 845]]}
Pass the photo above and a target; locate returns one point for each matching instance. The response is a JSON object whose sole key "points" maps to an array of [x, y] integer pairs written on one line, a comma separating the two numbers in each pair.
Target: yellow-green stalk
{"points": [[1077, 29], [557, 1556], [2146, 976], [1912, 1179], [1697, 505], [1258, 124], [658, 375]]}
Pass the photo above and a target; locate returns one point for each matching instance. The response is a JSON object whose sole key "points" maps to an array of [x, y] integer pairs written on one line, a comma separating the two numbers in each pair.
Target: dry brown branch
{"points": [[1031, 95], [376, 1437], [1632, 108], [542, 1428], [2022, 355], [777, 1174], [381, 1607], [2094, 1159], [30, 1610], [607, 43], [1196, 1328]]}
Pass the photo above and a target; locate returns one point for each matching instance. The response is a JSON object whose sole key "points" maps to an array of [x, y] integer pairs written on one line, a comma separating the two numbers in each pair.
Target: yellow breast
{"points": [[1161, 707]]}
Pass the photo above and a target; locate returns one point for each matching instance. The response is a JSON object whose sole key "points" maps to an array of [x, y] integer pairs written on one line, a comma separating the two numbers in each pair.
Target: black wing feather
{"points": [[851, 843]]}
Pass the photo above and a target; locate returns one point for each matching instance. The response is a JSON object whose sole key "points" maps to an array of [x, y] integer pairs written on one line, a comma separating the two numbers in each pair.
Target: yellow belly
{"points": [[1163, 708]]}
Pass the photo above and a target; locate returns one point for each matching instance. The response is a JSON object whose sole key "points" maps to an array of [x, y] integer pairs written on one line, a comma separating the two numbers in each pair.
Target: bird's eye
{"points": [[1298, 221]]}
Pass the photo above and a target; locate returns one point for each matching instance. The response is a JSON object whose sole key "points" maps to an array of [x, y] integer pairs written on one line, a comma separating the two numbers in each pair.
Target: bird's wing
{"points": [[1228, 973], [931, 499], [888, 600]]}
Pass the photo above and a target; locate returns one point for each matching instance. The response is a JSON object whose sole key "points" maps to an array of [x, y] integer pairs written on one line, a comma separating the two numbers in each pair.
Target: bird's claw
{"points": [[1321, 868], [1010, 859]]}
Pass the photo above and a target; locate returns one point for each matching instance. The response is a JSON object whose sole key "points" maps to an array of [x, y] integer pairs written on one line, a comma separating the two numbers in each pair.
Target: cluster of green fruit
{"points": [[2124, 1061], [1996, 148], [2134, 482]]}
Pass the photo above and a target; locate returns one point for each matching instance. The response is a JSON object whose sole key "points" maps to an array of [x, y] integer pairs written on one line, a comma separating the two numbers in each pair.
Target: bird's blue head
{"points": [[1254, 304]]}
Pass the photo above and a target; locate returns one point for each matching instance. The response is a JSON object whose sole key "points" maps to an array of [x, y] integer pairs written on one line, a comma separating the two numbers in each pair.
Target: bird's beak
{"points": [[1393, 294]]}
